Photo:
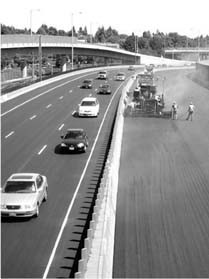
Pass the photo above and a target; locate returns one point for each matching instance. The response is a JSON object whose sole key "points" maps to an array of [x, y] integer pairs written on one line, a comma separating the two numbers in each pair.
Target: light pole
{"points": [[91, 32], [31, 15], [31, 33], [72, 54]]}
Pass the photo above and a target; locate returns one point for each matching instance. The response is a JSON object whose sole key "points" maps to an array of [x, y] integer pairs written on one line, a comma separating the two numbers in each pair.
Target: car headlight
{"points": [[80, 145], [28, 206], [63, 144], [3, 206]]}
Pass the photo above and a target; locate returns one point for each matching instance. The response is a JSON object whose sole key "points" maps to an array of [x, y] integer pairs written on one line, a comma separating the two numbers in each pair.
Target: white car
{"points": [[120, 77], [89, 106], [102, 75], [22, 195]]}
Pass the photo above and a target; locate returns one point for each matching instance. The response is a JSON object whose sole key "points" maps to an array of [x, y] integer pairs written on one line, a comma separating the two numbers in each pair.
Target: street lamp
{"points": [[31, 33], [72, 14], [91, 32], [31, 15]]}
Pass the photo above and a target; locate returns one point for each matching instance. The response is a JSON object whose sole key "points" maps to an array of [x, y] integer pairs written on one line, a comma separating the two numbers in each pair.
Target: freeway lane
{"points": [[37, 126], [163, 193]]}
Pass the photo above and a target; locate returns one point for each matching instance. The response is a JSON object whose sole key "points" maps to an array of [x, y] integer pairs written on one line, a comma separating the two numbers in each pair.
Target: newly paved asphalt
{"points": [[162, 219]]}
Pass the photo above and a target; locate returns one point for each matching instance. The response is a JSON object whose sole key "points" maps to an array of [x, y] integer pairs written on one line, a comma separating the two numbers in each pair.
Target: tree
{"points": [[43, 30], [52, 31]]}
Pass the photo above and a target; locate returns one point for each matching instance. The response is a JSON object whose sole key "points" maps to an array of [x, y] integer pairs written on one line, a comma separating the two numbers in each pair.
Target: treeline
{"points": [[148, 43]]}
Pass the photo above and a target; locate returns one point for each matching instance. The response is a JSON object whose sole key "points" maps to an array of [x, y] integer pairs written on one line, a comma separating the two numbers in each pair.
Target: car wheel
{"points": [[37, 211], [45, 195]]}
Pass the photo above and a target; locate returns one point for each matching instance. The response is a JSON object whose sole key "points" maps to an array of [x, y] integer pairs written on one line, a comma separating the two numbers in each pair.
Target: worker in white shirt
{"points": [[174, 111], [190, 111]]}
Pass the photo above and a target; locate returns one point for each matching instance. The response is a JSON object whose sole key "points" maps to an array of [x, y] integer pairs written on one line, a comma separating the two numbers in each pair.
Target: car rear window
{"points": [[22, 177], [74, 135], [88, 103]]}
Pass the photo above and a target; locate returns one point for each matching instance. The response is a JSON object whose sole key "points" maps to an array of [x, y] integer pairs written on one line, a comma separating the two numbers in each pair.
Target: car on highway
{"points": [[102, 75], [87, 84], [74, 140], [120, 77], [89, 106], [22, 195], [105, 89], [131, 68]]}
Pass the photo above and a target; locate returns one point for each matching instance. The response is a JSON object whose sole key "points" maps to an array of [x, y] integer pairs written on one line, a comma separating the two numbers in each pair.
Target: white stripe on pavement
{"points": [[32, 117], [60, 128], [11, 133], [42, 149]]}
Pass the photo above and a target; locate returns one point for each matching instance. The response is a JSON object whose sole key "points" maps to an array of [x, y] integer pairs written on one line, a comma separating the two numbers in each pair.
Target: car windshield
{"points": [[88, 103], [19, 187], [105, 86], [121, 74], [74, 135], [87, 81], [102, 73]]}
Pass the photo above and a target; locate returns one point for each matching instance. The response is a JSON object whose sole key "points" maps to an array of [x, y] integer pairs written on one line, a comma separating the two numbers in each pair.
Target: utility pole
{"points": [[40, 58]]}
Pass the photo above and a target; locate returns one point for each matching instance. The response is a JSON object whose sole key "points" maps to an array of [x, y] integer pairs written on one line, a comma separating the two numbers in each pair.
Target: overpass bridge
{"points": [[192, 54], [27, 45]]}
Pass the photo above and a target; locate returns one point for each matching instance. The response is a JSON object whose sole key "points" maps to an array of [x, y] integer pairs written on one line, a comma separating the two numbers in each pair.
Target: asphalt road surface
{"points": [[162, 220], [31, 128]]}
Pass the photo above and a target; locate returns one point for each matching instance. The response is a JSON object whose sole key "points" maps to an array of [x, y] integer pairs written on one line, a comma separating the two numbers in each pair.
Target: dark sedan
{"points": [[74, 140], [87, 84], [104, 89]]}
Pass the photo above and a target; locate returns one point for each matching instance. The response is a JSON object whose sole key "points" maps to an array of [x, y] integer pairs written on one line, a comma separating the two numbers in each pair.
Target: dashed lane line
{"points": [[49, 106], [42, 149], [60, 128], [11, 133], [32, 117]]}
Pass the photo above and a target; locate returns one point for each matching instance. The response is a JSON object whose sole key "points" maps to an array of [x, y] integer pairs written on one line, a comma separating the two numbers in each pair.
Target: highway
{"points": [[162, 217], [31, 128]]}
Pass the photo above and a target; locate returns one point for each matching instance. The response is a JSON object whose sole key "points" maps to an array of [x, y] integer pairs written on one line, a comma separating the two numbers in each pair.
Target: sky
{"points": [[186, 17]]}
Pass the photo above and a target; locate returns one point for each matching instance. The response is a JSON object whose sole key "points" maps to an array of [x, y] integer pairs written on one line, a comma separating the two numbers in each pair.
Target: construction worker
{"points": [[174, 110], [190, 111]]}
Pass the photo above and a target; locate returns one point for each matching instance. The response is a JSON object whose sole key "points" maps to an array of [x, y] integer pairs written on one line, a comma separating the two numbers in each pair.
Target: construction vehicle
{"points": [[144, 100]]}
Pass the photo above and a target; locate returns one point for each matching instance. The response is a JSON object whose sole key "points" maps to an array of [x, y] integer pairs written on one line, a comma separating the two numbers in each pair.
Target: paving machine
{"points": [[145, 101]]}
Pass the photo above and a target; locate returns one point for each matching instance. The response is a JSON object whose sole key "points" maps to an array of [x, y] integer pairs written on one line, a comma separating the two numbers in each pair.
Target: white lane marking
{"points": [[32, 117], [96, 89], [41, 94], [42, 149], [60, 128], [61, 97], [76, 191], [71, 91], [11, 133], [49, 106]]}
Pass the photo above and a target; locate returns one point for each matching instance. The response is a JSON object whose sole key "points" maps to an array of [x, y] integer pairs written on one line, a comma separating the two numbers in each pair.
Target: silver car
{"points": [[22, 195]]}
